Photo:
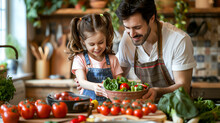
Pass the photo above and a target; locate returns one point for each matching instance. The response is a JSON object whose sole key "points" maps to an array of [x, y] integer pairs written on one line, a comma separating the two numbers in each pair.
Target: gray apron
{"points": [[154, 73]]}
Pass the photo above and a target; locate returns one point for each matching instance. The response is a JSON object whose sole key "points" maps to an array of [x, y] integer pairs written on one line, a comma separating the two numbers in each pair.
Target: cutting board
{"points": [[158, 116], [60, 65]]}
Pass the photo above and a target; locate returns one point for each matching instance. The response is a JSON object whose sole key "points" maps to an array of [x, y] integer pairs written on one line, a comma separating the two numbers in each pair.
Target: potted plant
{"points": [[79, 4], [113, 5], [180, 11], [7, 88], [35, 8]]}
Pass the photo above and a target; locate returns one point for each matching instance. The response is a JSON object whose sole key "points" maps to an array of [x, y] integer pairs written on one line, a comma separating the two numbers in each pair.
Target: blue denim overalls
{"points": [[97, 75]]}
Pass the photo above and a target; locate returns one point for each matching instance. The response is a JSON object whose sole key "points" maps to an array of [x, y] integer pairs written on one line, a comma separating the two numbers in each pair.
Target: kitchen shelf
{"points": [[214, 10], [72, 11]]}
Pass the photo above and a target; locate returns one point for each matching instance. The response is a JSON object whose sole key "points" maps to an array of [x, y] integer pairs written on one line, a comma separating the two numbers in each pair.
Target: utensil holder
{"points": [[42, 69]]}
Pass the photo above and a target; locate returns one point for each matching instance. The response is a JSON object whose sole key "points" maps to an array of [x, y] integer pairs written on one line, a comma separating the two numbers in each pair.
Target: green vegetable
{"points": [[204, 105], [175, 117], [139, 87], [7, 88], [123, 79], [210, 116], [110, 84], [179, 101], [135, 89], [132, 88]]}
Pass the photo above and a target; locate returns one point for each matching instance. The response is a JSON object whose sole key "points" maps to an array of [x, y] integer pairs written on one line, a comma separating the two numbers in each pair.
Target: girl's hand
{"points": [[79, 88], [99, 90]]}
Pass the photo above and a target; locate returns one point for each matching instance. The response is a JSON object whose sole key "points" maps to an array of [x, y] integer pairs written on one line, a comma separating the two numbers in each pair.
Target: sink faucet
{"points": [[10, 46]]}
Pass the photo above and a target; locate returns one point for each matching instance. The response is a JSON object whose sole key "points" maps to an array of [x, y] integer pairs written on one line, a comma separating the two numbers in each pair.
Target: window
{"points": [[2, 27]]}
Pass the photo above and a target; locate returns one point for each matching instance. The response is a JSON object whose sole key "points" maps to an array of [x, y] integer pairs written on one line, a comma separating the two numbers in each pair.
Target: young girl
{"points": [[92, 54]]}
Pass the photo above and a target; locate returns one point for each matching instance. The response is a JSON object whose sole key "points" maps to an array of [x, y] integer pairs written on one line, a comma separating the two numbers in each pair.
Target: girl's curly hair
{"points": [[89, 24]]}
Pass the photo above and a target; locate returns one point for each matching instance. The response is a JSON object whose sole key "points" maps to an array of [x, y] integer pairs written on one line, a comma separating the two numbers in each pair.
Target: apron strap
{"points": [[159, 47], [107, 59], [160, 51], [86, 58]]}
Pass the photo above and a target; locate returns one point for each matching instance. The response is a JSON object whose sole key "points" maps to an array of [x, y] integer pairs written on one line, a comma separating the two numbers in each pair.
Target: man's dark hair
{"points": [[146, 8]]}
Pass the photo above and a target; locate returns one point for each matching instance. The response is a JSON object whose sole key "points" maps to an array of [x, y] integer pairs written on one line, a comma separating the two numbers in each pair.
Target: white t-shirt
{"points": [[177, 50]]}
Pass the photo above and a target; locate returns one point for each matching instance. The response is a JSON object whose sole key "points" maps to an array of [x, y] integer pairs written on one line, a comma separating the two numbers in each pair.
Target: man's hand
{"points": [[150, 95]]}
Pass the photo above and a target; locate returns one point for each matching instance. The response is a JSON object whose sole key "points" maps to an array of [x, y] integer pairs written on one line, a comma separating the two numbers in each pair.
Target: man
{"points": [[161, 54]]}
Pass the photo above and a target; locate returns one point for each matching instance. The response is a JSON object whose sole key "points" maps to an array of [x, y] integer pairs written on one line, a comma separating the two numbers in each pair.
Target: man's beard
{"points": [[144, 38]]}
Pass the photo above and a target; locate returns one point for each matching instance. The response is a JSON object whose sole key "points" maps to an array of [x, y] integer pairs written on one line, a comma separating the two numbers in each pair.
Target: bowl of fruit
{"points": [[121, 88], [76, 103]]}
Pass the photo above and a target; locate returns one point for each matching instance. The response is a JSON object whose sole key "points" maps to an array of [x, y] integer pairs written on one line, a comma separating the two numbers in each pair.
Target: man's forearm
{"points": [[165, 90]]}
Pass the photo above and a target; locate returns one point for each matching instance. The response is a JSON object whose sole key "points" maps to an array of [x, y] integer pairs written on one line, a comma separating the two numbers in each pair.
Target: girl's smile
{"points": [[96, 45]]}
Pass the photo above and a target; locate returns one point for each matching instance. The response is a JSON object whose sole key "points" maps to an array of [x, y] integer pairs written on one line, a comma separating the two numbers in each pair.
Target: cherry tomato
{"points": [[136, 104], [63, 98], [74, 120], [126, 101], [104, 110], [129, 111], [28, 110], [99, 108], [59, 109], [148, 103], [107, 103], [39, 101], [138, 113], [146, 110], [116, 101], [10, 115], [76, 98], [124, 85], [123, 111], [153, 108], [70, 98], [64, 93], [21, 103], [6, 107], [57, 95], [81, 118], [115, 110], [43, 110]]}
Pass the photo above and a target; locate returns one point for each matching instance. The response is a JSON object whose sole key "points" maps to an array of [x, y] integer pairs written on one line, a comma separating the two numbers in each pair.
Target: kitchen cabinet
{"points": [[206, 90]]}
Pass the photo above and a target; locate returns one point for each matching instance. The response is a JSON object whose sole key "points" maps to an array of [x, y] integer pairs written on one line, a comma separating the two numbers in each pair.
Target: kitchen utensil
{"points": [[60, 65], [36, 48], [192, 28], [41, 52], [46, 52], [50, 47], [73, 106], [34, 52], [128, 95]]}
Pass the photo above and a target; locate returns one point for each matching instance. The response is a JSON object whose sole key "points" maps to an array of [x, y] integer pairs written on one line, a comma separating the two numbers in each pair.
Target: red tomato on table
{"points": [[59, 109], [28, 110], [10, 115], [43, 110]]}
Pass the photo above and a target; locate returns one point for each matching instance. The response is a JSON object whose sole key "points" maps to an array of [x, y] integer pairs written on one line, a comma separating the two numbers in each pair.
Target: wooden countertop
{"points": [[50, 83], [205, 85]]}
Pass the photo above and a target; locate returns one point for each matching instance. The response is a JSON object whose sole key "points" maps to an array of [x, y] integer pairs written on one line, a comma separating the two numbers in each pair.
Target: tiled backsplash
{"points": [[207, 48]]}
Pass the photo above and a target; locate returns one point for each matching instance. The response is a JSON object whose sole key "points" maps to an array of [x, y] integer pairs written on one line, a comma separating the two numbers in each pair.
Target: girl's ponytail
{"points": [[74, 46], [110, 33]]}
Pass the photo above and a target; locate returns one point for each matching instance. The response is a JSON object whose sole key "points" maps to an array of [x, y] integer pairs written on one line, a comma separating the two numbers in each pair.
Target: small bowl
{"points": [[128, 95], [73, 106]]}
